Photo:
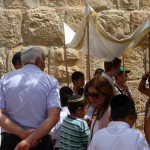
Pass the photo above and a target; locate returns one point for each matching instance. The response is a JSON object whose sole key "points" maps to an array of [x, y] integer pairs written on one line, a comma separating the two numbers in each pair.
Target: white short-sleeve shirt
{"points": [[118, 136]]}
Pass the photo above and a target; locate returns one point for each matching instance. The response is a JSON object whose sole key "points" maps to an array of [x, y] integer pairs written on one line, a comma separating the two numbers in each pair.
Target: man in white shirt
{"points": [[111, 69], [29, 104], [119, 135]]}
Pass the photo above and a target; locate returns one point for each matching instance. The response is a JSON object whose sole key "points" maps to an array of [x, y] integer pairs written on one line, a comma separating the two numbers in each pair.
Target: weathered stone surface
{"points": [[137, 17], [1, 3], [73, 17], [117, 24], [42, 26], [21, 3], [140, 122], [60, 2], [10, 28], [99, 5], [74, 2], [128, 4], [3, 57], [140, 101], [71, 55], [132, 58], [56, 59], [146, 4], [94, 64], [52, 3]]}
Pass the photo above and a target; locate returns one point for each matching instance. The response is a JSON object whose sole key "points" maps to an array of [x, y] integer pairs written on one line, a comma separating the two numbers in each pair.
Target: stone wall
{"points": [[38, 22]]}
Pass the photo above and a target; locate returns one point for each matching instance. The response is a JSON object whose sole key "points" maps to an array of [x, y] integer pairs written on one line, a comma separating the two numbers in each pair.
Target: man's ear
{"points": [[132, 115], [112, 68], [37, 61], [75, 81]]}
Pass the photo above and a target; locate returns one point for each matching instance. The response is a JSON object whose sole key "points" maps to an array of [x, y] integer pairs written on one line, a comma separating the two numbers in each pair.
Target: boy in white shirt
{"points": [[119, 135], [65, 93]]}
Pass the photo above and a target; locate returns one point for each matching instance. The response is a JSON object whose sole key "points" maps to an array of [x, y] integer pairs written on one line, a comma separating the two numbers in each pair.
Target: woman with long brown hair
{"points": [[99, 93]]}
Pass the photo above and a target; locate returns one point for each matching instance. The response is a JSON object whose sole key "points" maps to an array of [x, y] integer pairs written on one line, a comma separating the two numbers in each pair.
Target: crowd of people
{"points": [[36, 114]]}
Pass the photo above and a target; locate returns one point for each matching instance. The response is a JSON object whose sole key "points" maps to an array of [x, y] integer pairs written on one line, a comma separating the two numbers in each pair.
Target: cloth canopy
{"points": [[101, 43]]}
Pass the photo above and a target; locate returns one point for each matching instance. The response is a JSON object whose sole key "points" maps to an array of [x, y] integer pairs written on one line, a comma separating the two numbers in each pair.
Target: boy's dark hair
{"points": [[121, 106], [65, 94], [99, 70], [76, 75], [16, 58], [74, 102], [115, 63]]}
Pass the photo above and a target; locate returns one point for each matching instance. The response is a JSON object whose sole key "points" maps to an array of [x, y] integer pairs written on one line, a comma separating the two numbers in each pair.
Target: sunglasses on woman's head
{"points": [[92, 95]]}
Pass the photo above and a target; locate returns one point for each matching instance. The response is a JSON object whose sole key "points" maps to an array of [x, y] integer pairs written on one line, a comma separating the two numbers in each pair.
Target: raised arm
{"points": [[147, 128], [142, 88]]}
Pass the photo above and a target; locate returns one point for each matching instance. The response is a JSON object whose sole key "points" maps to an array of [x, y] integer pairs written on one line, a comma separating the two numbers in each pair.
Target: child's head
{"points": [[113, 66], [122, 107], [122, 75], [65, 93], [16, 60], [99, 93], [98, 72], [78, 78], [77, 105]]}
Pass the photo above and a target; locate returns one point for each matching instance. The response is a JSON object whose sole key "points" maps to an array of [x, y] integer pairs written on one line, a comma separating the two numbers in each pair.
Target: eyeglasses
{"points": [[93, 95]]}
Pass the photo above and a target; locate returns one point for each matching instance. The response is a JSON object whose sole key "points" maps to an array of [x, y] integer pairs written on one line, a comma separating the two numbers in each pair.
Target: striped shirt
{"points": [[74, 134]]}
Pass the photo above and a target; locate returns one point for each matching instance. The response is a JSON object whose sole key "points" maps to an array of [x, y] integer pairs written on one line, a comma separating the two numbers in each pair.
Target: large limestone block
{"points": [[128, 4], [60, 2], [134, 60], [73, 17], [10, 28], [56, 59], [94, 64], [21, 3], [71, 55], [99, 5], [42, 26], [140, 101], [3, 64], [117, 24], [137, 17], [62, 76], [146, 4], [1, 3], [140, 122]]}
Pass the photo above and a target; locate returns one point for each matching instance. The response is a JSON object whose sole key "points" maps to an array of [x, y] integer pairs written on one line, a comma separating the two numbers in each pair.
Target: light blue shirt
{"points": [[26, 94]]}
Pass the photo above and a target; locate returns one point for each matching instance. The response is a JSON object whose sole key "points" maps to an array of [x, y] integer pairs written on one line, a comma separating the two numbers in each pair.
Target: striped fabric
{"points": [[74, 134]]}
